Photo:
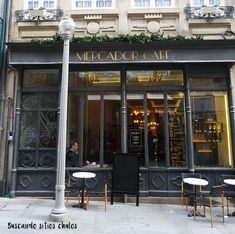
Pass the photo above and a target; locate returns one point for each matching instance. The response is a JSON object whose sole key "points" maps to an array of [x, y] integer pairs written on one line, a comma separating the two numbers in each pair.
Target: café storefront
{"points": [[171, 103]]}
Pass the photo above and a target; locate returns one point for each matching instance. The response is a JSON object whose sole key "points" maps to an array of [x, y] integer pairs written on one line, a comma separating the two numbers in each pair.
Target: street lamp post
{"points": [[59, 212]]}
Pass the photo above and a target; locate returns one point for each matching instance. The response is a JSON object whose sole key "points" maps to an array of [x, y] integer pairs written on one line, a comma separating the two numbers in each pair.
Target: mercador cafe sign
{"points": [[172, 52], [117, 56]]}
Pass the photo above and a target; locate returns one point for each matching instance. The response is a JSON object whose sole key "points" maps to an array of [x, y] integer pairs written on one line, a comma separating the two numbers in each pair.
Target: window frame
{"points": [[206, 3], [93, 5], [215, 93], [152, 5], [26, 5]]}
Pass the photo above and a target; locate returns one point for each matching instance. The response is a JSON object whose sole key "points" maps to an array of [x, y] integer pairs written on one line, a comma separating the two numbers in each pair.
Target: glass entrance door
{"points": [[135, 116], [146, 126], [156, 128]]}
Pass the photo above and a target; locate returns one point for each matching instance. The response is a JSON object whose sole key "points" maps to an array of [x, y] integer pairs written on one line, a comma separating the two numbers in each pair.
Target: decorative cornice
{"points": [[93, 17], [152, 16]]}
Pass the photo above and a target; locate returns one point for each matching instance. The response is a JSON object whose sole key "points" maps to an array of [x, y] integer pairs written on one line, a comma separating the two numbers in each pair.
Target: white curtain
{"points": [[214, 2], [163, 2], [103, 3], [83, 4], [198, 2], [33, 4], [48, 3], [142, 3]]}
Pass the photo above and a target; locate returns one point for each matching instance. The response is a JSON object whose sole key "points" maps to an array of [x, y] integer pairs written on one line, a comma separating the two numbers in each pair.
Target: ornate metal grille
{"points": [[38, 15], [38, 131], [209, 12]]}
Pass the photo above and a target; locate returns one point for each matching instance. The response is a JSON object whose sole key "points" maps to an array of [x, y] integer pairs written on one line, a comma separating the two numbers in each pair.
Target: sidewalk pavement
{"points": [[120, 218]]}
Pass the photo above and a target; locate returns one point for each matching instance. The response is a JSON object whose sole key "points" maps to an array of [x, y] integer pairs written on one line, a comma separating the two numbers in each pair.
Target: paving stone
{"points": [[16, 207], [120, 218]]}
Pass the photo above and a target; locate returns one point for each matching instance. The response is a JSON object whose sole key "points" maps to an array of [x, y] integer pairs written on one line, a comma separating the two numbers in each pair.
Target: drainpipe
{"points": [[5, 33], [8, 138], [16, 126]]}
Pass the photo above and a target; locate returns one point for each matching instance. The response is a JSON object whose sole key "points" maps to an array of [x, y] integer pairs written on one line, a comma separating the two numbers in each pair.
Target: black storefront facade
{"points": [[172, 103]]}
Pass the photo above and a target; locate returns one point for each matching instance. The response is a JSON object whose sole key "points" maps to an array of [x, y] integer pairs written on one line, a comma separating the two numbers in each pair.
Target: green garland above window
{"points": [[140, 38]]}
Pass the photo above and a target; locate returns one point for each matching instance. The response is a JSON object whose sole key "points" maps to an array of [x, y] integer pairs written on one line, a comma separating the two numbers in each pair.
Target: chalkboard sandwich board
{"points": [[125, 177]]}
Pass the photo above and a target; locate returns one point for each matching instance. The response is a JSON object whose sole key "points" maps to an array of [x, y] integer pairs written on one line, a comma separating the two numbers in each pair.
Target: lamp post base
{"points": [[58, 215]]}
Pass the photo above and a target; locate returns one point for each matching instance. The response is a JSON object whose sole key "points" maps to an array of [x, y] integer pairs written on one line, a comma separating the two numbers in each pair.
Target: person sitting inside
{"points": [[72, 156]]}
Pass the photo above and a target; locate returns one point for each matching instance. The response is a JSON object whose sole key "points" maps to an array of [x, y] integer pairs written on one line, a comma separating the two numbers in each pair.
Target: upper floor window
{"points": [[93, 3], [141, 3], [83, 4], [35, 4], [153, 3], [104, 3], [48, 3], [207, 2], [163, 2]]}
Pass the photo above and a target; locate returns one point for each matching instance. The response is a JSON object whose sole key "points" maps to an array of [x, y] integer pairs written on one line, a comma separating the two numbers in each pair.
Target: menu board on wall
{"points": [[177, 139], [135, 138]]}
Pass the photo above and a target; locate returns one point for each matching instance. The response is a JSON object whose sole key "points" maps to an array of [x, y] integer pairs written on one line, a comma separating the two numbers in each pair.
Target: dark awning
{"points": [[188, 51]]}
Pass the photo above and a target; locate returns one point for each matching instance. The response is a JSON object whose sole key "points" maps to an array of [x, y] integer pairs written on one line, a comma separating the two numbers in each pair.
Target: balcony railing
{"points": [[209, 12], [38, 15]]}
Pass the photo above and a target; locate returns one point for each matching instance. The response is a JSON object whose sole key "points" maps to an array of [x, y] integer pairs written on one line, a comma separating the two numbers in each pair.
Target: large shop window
{"points": [[100, 113], [211, 77], [211, 129], [95, 115], [156, 78], [94, 79], [155, 119], [38, 128]]}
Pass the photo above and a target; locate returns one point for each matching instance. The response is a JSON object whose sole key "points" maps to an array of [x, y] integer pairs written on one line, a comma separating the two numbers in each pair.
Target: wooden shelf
{"points": [[204, 151], [200, 141]]}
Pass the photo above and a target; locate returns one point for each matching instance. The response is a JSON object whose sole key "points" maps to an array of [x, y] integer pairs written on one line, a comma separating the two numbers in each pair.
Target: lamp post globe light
{"points": [[59, 212]]}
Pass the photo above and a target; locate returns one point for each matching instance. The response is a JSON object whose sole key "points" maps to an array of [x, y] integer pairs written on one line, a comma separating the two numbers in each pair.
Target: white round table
{"points": [[229, 181], [83, 175], [195, 182]]}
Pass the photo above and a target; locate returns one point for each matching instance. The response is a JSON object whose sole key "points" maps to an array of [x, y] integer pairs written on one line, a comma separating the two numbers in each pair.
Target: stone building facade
{"points": [[163, 85]]}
